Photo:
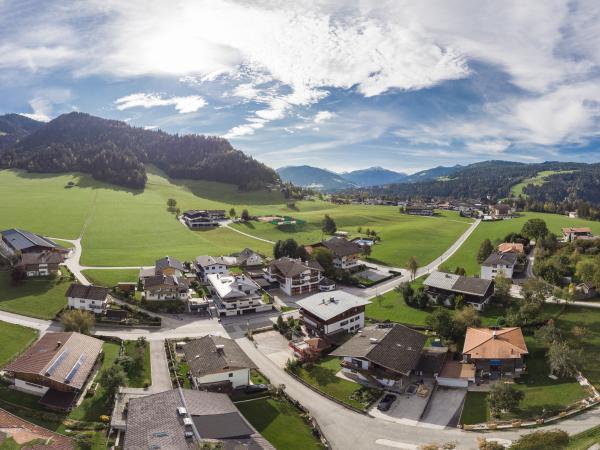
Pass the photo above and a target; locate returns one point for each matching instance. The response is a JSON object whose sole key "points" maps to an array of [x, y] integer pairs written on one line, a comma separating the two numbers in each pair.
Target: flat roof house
{"points": [[441, 287], [496, 352], [89, 298], [217, 364], [208, 265], [203, 218], [295, 276], [497, 263], [385, 354], [573, 233], [236, 294], [16, 241], [329, 313], [56, 368], [346, 254], [184, 419]]}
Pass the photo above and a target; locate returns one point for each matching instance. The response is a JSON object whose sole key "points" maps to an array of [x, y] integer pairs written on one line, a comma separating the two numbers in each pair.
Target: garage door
{"points": [[453, 382]]}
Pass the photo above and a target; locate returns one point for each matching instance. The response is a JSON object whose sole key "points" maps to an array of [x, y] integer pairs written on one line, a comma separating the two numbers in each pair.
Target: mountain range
{"points": [[329, 181]]}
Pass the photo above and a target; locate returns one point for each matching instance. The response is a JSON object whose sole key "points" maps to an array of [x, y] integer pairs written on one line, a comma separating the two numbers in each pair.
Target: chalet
{"points": [[346, 253], [501, 211], [186, 419], [249, 259], [419, 210], [56, 368], [295, 276], [89, 298], [325, 314], [166, 287], [210, 265], [168, 266], [387, 355], [574, 233], [217, 364], [495, 352], [236, 294], [18, 242], [196, 218], [444, 287], [511, 247], [497, 263], [42, 264]]}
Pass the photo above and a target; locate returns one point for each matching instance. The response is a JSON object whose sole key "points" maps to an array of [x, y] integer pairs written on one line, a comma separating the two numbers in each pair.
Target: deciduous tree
{"points": [[78, 320], [503, 397]]}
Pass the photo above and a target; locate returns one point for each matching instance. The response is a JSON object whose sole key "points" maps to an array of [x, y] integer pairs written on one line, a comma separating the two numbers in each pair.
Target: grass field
{"points": [[391, 306], [584, 440], [14, 339], [131, 228], [280, 423], [538, 180], [110, 277], [35, 297], [466, 256]]}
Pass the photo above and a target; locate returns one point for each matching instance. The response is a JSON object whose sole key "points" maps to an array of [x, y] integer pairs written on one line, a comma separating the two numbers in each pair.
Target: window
{"points": [[231, 375], [345, 322]]}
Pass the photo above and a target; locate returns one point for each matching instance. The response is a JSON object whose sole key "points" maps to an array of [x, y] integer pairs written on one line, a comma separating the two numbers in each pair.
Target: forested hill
{"points": [[115, 152], [492, 179], [14, 127]]}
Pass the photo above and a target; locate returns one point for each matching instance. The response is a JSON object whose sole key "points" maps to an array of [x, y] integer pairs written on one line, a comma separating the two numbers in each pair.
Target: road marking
{"points": [[396, 444]]}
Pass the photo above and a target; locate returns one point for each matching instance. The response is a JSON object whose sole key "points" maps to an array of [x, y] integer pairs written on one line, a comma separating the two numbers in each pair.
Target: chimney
{"points": [[220, 348], [58, 344], [494, 334]]}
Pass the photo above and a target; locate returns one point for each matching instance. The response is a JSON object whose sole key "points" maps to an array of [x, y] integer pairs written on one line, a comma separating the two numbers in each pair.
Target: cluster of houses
{"points": [[30, 254]]}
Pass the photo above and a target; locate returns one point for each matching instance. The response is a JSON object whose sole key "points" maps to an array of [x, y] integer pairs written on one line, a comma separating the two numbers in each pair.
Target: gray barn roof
{"points": [[204, 357], [458, 283], [22, 240]]}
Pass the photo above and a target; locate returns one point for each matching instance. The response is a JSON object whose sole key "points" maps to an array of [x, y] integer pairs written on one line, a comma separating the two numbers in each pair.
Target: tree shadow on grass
{"points": [[323, 376], [260, 413]]}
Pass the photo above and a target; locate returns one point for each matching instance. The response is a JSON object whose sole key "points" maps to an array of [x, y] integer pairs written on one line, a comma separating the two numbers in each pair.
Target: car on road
{"points": [[386, 402], [255, 388]]}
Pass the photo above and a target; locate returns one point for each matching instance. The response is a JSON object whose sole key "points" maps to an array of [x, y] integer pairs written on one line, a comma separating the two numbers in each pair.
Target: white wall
{"points": [[31, 388], [359, 320], [489, 273], [86, 304], [453, 382], [239, 378]]}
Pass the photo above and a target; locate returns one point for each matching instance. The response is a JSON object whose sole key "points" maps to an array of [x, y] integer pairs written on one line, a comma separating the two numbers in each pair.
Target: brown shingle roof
{"points": [[342, 247], [397, 348], [15, 426], [487, 343], [204, 357], [292, 267], [90, 292], [158, 281], [56, 355], [511, 247]]}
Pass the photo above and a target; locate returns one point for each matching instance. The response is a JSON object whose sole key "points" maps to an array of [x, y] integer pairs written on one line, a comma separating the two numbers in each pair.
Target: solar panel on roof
{"points": [[57, 362], [75, 369]]}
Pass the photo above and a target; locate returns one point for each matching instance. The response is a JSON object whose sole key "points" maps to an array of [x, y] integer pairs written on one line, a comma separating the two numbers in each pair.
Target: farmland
{"points": [[124, 227], [14, 339]]}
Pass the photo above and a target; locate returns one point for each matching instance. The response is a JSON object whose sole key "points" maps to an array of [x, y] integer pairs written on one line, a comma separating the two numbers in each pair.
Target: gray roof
{"points": [[168, 262], [458, 283], [153, 422], [207, 260], [501, 259], [327, 305], [203, 356], [342, 247], [292, 267], [166, 280], [22, 240], [90, 292], [397, 348]]}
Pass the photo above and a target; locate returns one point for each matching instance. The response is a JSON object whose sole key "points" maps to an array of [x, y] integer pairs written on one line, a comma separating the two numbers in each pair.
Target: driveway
{"points": [[161, 379], [274, 346], [445, 407]]}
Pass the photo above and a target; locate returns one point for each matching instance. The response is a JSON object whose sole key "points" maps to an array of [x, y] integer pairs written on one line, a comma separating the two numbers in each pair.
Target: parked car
{"points": [[386, 402], [255, 388]]}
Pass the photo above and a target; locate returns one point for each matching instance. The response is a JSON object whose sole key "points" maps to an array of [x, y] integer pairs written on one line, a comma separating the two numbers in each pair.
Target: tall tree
{"points": [[171, 203], [232, 213], [78, 320], [111, 379], [562, 359], [535, 229], [325, 258], [328, 226], [503, 397], [245, 215], [485, 249], [412, 265]]}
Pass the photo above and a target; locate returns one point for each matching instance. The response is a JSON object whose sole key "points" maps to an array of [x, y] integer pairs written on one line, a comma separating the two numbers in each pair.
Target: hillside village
{"points": [[308, 309]]}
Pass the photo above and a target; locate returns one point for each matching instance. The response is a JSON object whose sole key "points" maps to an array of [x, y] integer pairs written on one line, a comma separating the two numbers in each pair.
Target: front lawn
{"points": [[475, 409], [322, 376], [280, 423], [142, 377], [42, 297], [391, 306], [14, 339]]}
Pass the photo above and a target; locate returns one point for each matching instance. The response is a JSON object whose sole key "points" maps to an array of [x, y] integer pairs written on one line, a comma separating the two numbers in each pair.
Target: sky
{"points": [[342, 85]]}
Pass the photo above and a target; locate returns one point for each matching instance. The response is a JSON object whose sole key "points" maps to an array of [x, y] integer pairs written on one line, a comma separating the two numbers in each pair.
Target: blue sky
{"points": [[340, 85]]}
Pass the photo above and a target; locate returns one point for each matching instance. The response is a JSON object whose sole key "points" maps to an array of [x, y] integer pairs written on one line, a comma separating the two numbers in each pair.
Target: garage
{"points": [[456, 374]]}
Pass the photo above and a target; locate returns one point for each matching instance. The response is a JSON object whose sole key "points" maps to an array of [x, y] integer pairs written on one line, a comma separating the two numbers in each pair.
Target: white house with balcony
{"points": [[294, 276], [499, 263], [89, 298], [236, 294]]}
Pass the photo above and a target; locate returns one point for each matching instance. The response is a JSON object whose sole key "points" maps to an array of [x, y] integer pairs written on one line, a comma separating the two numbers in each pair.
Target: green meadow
{"points": [[466, 256], [538, 180], [123, 227]]}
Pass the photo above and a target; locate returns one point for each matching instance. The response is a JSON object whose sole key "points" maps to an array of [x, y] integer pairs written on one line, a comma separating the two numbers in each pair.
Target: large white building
{"points": [[236, 294], [327, 313], [210, 265], [497, 263], [89, 298]]}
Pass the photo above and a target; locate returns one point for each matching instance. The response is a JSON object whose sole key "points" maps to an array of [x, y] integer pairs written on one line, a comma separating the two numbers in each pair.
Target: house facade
{"points": [[42, 264], [294, 276], [501, 211], [574, 233], [499, 263], [56, 368], [209, 265], [443, 288], [166, 287], [217, 364], [236, 295], [203, 218], [88, 298], [419, 210], [495, 352], [333, 312], [346, 254]]}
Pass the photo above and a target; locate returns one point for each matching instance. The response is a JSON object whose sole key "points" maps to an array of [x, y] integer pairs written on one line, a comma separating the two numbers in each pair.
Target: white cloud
{"points": [[183, 105], [323, 116]]}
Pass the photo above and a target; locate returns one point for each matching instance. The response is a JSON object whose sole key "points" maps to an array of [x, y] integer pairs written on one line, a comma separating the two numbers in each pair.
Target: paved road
{"points": [[227, 224], [41, 325], [161, 379]]}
